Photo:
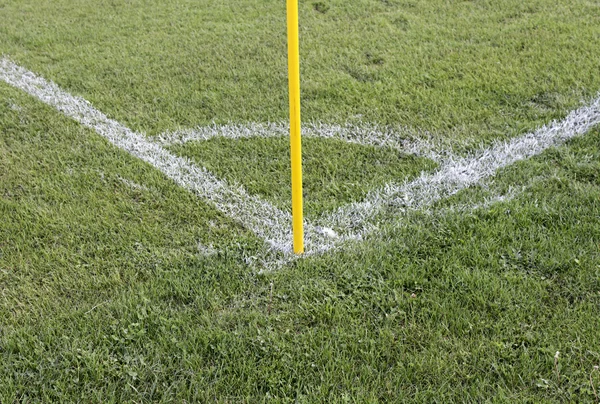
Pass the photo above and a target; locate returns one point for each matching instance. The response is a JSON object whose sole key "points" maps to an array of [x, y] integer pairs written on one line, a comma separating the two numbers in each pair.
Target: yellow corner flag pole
{"points": [[295, 138]]}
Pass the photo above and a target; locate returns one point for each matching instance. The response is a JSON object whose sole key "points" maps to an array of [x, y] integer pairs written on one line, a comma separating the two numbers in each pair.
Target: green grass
{"points": [[334, 172], [106, 298], [118, 286], [470, 69], [74, 223]]}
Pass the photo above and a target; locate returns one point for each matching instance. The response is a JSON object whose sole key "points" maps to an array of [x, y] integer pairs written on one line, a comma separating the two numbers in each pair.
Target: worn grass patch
{"points": [[334, 172]]}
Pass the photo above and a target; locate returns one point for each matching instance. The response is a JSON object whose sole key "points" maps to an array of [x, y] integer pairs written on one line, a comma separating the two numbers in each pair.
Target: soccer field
{"points": [[452, 196]]}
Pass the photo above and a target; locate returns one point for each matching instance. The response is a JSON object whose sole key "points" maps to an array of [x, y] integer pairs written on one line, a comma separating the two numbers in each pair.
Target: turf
{"points": [[106, 296], [471, 69], [118, 286], [334, 172]]}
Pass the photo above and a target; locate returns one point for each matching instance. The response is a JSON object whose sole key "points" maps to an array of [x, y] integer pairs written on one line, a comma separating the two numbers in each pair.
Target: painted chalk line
{"points": [[259, 216], [404, 139], [459, 173], [268, 261], [268, 222], [456, 173], [353, 221]]}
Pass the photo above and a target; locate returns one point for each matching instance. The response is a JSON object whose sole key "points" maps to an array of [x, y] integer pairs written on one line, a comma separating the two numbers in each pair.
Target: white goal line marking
{"points": [[353, 221]]}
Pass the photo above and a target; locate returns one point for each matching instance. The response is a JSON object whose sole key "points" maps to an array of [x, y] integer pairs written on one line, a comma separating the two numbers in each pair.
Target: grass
{"points": [[335, 172], [118, 286], [473, 69]]}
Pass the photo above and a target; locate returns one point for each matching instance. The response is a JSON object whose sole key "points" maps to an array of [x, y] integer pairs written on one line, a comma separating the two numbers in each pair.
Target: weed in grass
{"points": [[321, 7]]}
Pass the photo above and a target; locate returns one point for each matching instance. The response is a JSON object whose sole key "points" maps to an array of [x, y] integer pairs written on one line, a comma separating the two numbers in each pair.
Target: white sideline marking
{"points": [[358, 220], [351, 222], [268, 262], [268, 222], [458, 173]]}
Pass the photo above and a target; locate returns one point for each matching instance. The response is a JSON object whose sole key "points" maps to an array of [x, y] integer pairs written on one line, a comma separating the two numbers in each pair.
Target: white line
{"points": [[354, 221], [268, 261], [459, 173], [360, 219], [268, 222], [400, 138]]}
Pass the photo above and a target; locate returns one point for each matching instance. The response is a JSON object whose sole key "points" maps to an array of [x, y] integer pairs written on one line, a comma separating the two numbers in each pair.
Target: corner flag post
{"points": [[295, 138]]}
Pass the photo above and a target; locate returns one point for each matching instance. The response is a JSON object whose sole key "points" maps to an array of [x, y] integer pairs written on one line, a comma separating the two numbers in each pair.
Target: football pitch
{"points": [[452, 197]]}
